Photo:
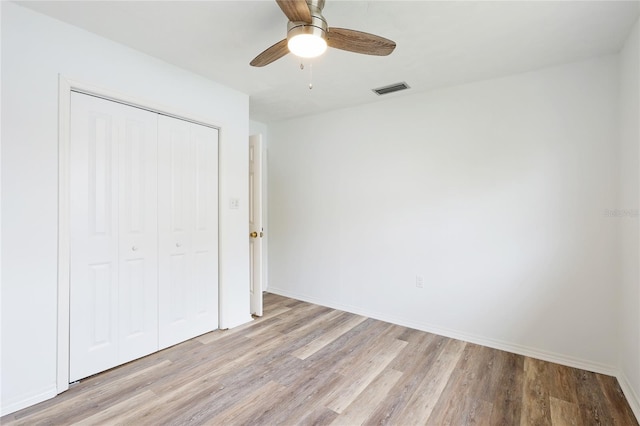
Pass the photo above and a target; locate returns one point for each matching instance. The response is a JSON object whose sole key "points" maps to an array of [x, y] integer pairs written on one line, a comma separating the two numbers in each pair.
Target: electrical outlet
{"points": [[419, 281]]}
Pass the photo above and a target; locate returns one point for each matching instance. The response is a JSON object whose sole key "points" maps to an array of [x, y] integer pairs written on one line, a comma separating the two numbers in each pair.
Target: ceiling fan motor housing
{"points": [[317, 27]]}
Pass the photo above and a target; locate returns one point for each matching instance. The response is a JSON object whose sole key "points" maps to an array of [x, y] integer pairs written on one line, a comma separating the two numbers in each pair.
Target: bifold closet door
{"points": [[188, 229], [113, 226]]}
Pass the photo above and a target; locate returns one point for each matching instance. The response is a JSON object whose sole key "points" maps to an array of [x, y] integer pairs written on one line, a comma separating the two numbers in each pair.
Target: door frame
{"points": [[65, 87]]}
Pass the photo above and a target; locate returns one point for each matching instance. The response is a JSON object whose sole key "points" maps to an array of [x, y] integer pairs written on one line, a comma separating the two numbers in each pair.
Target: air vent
{"points": [[391, 88]]}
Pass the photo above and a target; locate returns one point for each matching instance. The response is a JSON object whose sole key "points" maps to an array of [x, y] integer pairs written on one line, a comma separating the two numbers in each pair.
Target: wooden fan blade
{"points": [[359, 42], [273, 53], [296, 10]]}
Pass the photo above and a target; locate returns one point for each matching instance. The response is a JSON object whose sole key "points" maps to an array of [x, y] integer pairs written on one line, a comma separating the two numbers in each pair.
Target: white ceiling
{"points": [[439, 43]]}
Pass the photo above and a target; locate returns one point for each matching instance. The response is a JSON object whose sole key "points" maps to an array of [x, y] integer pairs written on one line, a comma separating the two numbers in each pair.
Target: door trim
{"points": [[65, 87]]}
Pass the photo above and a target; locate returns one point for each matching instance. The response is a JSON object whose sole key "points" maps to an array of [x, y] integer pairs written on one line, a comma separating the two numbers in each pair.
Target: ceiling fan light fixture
{"points": [[307, 40], [307, 45]]}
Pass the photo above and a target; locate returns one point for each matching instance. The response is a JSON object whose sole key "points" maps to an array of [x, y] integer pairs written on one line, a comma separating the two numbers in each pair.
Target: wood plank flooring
{"points": [[310, 365]]}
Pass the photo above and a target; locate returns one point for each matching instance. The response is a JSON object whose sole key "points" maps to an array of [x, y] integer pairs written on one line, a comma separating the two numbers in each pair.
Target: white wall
{"points": [[256, 127], [35, 50], [495, 192], [628, 220]]}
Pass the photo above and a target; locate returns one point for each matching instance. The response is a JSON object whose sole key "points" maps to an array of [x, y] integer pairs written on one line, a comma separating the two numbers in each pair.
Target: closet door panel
{"points": [[94, 237], [109, 145], [187, 220], [138, 236], [205, 232], [175, 198]]}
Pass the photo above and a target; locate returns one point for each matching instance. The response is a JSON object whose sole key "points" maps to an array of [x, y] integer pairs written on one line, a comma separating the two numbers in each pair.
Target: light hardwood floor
{"points": [[307, 364]]}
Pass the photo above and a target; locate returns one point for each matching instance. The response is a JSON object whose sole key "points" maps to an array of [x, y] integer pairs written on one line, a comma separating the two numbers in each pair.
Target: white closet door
{"points": [[113, 211], [188, 230], [138, 236]]}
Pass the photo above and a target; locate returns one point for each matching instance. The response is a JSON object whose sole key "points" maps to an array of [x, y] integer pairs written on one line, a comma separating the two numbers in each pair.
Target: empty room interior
{"points": [[430, 219]]}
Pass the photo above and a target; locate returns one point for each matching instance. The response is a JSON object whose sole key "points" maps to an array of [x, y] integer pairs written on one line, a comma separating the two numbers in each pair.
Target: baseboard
{"points": [[630, 394], [455, 334], [27, 400]]}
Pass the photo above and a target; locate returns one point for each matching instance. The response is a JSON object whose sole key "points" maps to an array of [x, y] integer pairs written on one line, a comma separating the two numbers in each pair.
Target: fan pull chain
{"points": [[310, 73]]}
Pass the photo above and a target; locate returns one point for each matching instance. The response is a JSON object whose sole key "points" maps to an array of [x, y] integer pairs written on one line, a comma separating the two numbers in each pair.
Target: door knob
{"points": [[254, 234], [134, 248], [178, 245]]}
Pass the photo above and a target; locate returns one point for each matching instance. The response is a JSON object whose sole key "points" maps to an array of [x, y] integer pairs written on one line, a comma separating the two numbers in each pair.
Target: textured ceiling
{"points": [[439, 43]]}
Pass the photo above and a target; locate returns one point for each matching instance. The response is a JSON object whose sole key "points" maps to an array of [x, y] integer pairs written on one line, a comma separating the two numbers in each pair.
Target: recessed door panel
{"points": [[99, 138], [177, 311], [180, 178], [132, 313], [205, 181], [135, 176], [100, 288], [202, 281]]}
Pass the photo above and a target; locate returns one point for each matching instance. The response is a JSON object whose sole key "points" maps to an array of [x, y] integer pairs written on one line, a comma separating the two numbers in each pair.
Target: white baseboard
{"points": [[25, 401], [630, 394], [455, 334]]}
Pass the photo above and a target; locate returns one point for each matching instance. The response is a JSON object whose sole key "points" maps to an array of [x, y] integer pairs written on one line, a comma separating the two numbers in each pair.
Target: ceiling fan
{"points": [[308, 35]]}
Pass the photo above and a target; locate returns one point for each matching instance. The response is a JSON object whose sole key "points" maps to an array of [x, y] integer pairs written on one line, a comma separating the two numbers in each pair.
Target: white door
{"points": [[113, 266], [256, 230], [188, 229], [138, 236]]}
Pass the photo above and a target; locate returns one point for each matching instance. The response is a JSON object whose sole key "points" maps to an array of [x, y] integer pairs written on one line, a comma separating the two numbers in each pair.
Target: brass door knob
{"points": [[254, 234]]}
